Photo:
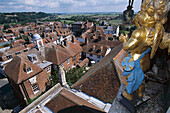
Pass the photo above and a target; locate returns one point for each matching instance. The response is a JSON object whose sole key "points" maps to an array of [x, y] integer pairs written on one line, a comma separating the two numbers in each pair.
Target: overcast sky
{"points": [[65, 6]]}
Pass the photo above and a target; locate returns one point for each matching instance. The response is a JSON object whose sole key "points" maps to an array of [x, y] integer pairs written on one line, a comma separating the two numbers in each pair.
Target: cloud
{"points": [[55, 6]]}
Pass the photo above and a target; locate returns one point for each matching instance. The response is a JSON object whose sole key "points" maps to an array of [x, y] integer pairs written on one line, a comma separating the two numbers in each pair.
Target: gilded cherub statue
{"points": [[147, 37]]}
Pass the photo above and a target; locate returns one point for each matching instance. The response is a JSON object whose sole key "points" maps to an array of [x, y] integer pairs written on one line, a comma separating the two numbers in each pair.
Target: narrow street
{"points": [[8, 101]]}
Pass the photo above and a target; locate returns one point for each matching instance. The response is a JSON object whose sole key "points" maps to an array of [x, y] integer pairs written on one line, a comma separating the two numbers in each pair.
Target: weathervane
{"points": [[146, 38], [128, 14]]}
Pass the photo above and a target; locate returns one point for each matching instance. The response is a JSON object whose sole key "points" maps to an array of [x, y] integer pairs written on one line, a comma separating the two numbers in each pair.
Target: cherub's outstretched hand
{"points": [[123, 38]]}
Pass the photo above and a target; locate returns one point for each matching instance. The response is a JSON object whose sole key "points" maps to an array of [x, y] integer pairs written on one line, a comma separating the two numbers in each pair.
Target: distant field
{"points": [[105, 15], [115, 22], [92, 15], [70, 15], [67, 21]]}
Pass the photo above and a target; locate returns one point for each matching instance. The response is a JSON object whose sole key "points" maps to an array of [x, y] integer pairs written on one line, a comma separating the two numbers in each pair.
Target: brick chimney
{"points": [[95, 27], [65, 43], [94, 47], [73, 39], [86, 41], [101, 48]]}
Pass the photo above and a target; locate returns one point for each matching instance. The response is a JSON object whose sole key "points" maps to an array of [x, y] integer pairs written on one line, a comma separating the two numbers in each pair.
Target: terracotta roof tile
{"points": [[84, 62], [56, 54], [74, 48], [102, 80], [67, 102], [19, 42], [109, 43], [100, 49], [14, 50], [15, 69]]}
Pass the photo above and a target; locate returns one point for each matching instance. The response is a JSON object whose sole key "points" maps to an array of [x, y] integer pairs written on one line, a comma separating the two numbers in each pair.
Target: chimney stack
{"points": [[95, 27], [86, 41], [73, 39], [94, 47], [101, 48], [65, 43]]}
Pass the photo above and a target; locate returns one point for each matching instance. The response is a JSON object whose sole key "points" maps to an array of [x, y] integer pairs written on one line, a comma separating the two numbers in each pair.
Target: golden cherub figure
{"points": [[147, 37]]}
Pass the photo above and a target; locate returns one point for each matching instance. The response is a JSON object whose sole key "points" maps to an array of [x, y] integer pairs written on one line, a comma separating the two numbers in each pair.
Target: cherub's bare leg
{"points": [[125, 94], [141, 90]]}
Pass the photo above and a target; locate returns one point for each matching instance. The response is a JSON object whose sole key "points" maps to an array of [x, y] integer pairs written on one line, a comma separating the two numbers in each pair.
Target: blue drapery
{"points": [[136, 76]]}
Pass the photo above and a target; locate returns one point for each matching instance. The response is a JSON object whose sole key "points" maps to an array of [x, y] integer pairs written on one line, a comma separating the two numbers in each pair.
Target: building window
{"points": [[62, 65], [17, 53], [75, 57], [91, 55], [29, 70], [35, 88], [68, 61], [48, 69], [69, 68], [33, 58], [9, 57]]}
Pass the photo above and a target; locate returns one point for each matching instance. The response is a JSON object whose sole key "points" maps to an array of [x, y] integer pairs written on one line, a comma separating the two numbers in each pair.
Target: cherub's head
{"points": [[161, 7], [150, 10]]}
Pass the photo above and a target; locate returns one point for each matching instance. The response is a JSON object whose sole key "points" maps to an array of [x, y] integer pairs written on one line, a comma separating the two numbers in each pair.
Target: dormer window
{"points": [[48, 69], [98, 51], [75, 57], [68, 61], [9, 57], [62, 65], [91, 49], [29, 70], [33, 58], [17, 53]]}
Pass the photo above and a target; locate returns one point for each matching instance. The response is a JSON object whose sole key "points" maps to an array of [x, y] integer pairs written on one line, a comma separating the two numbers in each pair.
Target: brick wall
{"points": [[117, 60], [73, 61], [42, 79]]}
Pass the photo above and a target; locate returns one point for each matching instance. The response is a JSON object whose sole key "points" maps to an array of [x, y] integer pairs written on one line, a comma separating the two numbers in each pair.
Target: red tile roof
{"points": [[102, 80], [58, 54], [68, 102], [13, 50], [15, 69], [98, 47], [84, 62], [73, 48]]}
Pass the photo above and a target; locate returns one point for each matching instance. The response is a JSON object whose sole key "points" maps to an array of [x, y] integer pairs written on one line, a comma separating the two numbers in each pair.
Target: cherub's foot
{"points": [[140, 94], [128, 96]]}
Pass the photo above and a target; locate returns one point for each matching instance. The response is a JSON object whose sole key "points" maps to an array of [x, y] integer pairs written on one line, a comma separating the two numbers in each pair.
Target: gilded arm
{"points": [[130, 44], [136, 20]]}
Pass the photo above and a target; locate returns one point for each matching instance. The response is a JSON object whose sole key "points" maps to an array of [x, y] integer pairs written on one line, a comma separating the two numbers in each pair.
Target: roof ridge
{"points": [[99, 65]]}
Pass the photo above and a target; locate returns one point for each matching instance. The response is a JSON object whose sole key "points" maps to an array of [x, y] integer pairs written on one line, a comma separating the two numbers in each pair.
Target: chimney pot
{"points": [[94, 46], [101, 48]]}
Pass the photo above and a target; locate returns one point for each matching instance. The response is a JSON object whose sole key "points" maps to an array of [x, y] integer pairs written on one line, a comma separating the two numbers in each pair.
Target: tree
{"points": [[6, 26], [74, 74], [54, 78], [102, 24]]}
